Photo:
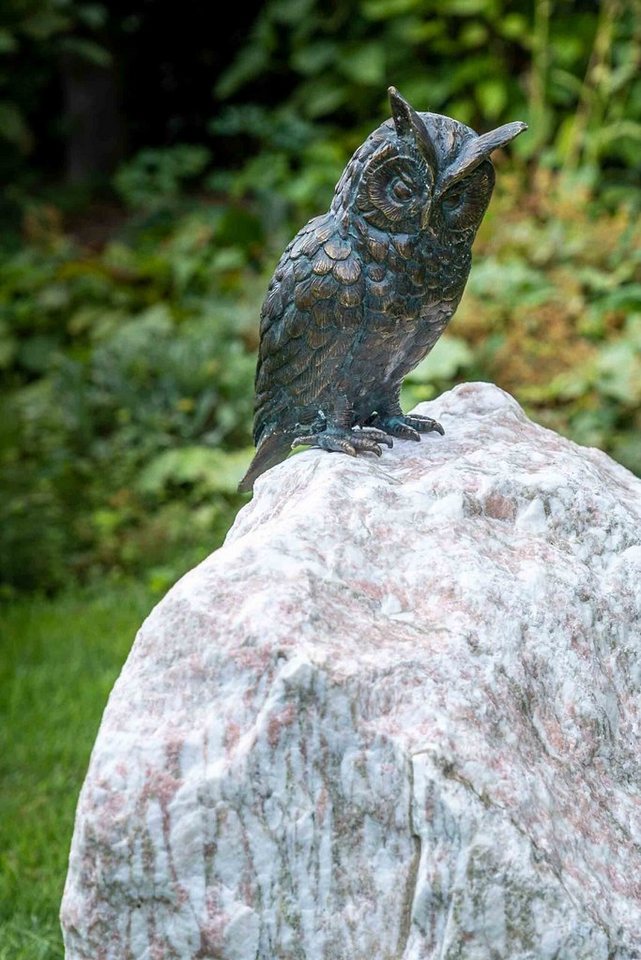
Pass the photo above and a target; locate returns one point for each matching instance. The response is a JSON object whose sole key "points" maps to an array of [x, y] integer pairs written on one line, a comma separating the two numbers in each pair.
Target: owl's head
{"points": [[421, 171]]}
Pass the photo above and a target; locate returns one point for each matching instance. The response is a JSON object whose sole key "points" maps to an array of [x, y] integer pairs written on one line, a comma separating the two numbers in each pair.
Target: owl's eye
{"points": [[401, 190], [453, 198], [465, 202], [394, 189]]}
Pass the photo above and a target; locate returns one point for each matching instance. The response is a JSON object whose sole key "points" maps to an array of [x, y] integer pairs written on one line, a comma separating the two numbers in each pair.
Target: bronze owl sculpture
{"points": [[363, 292]]}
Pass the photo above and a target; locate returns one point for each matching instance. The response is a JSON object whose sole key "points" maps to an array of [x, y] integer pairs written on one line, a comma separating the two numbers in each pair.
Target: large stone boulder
{"points": [[395, 717]]}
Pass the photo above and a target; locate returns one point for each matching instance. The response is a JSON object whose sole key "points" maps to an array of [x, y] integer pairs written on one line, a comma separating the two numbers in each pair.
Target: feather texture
{"points": [[364, 291]]}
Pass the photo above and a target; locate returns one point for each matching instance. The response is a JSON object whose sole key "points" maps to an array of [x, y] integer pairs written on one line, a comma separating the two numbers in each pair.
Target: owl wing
{"points": [[312, 313]]}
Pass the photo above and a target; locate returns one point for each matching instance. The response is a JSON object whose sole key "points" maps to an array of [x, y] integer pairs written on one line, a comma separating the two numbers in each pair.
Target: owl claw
{"points": [[339, 445], [378, 435], [424, 424], [351, 442], [404, 431], [407, 427]]}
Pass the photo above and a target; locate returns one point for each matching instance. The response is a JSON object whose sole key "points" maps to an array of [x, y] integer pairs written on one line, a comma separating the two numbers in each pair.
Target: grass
{"points": [[58, 661]]}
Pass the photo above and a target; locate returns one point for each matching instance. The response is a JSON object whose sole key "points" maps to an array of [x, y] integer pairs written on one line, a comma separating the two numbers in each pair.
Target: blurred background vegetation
{"points": [[155, 165]]}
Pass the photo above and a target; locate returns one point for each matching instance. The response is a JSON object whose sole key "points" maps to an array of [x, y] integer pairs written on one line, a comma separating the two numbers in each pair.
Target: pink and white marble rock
{"points": [[396, 716]]}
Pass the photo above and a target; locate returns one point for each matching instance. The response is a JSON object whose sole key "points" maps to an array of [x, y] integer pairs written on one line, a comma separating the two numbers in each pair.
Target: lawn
{"points": [[58, 661]]}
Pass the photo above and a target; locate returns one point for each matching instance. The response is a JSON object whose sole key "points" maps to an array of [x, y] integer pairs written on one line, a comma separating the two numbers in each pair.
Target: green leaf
{"points": [[468, 8], [492, 97], [386, 9], [45, 23], [13, 126], [449, 356], [251, 62], [619, 372], [365, 64], [216, 471], [314, 57], [474, 34], [36, 354], [87, 50], [325, 98], [514, 26], [8, 42], [93, 15], [8, 347], [291, 11]]}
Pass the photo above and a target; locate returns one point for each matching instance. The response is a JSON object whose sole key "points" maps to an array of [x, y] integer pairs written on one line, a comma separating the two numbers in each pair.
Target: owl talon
{"points": [[405, 432], [340, 446], [378, 435], [351, 442], [424, 424], [368, 445], [407, 427]]}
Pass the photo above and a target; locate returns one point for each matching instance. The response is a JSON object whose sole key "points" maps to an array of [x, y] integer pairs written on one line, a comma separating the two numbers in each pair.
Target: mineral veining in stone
{"points": [[395, 717]]}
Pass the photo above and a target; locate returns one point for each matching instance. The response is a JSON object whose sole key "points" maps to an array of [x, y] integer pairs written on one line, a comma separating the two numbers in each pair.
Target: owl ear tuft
{"points": [[409, 126], [478, 150], [401, 113], [500, 137]]}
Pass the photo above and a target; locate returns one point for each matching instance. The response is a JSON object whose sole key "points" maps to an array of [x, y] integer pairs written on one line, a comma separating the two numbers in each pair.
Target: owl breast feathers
{"points": [[363, 292]]}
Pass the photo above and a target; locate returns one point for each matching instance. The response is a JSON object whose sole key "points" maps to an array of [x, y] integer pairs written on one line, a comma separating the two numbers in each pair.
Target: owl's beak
{"points": [[410, 126], [478, 150]]}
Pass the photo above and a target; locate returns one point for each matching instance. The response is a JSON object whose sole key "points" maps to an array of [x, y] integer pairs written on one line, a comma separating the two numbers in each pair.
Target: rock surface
{"points": [[396, 716]]}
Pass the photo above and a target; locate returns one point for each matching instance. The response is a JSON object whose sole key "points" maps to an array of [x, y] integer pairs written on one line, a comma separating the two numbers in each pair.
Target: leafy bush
{"points": [[570, 71], [127, 366], [128, 373], [35, 35], [113, 364], [154, 179]]}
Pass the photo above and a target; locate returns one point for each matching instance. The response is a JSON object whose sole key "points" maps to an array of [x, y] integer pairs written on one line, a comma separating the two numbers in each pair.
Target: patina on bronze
{"points": [[363, 292]]}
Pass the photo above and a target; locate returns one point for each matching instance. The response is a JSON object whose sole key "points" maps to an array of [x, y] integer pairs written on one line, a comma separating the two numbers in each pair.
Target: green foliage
{"points": [[127, 367], [156, 178], [571, 72], [34, 36], [58, 662], [128, 373], [128, 396]]}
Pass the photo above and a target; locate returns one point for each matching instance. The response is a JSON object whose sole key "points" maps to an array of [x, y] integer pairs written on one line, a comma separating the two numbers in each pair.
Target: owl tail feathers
{"points": [[272, 449]]}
